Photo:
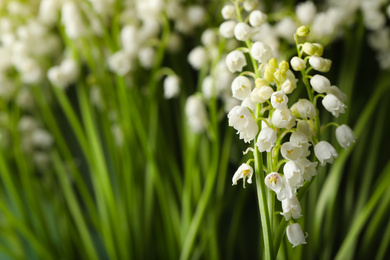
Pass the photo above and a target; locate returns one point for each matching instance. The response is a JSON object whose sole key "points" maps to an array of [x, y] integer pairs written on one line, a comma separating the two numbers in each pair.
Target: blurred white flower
{"points": [[306, 12], [197, 57], [171, 86], [228, 12], [257, 18]]}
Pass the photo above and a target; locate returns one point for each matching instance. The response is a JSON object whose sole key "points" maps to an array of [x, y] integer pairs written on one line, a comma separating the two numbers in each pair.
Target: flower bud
{"points": [[303, 31], [273, 62], [280, 75], [269, 73], [318, 63], [261, 82], [298, 64], [320, 83], [320, 49], [309, 48], [283, 65]]}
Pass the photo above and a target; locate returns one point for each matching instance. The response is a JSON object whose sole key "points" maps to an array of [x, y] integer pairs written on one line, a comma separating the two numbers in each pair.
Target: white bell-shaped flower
{"points": [[282, 118], [261, 52], [247, 102], [242, 32], [325, 152], [333, 105], [241, 119], [300, 139], [320, 83], [291, 151], [279, 100], [257, 18], [345, 136], [274, 182], [304, 109], [262, 94], [295, 235], [266, 139], [241, 87], [245, 171], [235, 61], [304, 127], [291, 208], [293, 173], [310, 168], [290, 83]]}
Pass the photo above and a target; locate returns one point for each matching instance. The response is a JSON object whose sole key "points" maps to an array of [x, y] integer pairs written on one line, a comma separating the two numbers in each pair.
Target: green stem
{"points": [[262, 198]]}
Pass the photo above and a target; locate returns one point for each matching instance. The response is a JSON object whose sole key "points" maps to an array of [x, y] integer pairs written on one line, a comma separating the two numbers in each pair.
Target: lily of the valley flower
{"points": [[245, 171], [325, 152], [241, 119], [279, 100], [235, 61], [333, 105], [261, 52], [292, 151], [320, 83], [295, 235], [345, 136], [241, 87], [266, 139], [282, 118], [291, 208]]}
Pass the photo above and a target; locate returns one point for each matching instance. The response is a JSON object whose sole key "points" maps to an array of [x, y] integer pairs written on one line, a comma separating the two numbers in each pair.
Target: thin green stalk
{"points": [[348, 243], [102, 178], [262, 198], [74, 207]]}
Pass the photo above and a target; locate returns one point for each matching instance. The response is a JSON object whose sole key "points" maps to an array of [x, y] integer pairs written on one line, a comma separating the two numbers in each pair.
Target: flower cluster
{"points": [[288, 133]]}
